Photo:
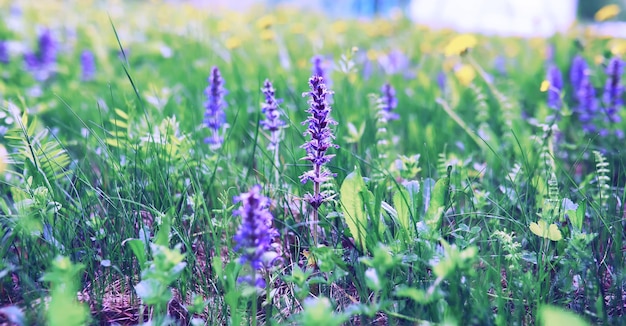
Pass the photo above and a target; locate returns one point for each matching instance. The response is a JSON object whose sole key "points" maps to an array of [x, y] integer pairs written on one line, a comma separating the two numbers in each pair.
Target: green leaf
{"points": [[437, 203], [578, 217], [402, 208], [352, 206], [550, 315], [417, 295], [139, 249]]}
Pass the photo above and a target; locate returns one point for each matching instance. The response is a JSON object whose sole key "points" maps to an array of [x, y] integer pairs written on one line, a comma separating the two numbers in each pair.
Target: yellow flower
{"points": [[302, 63], [542, 229], [607, 12], [223, 26], [297, 28], [265, 22], [233, 43], [618, 47], [372, 54], [267, 35], [339, 27], [598, 59], [426, 47], [4, 158], [460, 44], [545, 85], [465, 74]]}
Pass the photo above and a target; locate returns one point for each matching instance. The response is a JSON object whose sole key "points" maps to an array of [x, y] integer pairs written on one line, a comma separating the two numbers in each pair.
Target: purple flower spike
{"points": [[255, 234], [272, 122], [613, 89], [556, 85], [318, 69], [42, 63], [4, 52], [319, 122], [214, 116], [577, 73], [47, 48], [88, 65], [441, 81], [587, 103], [388, 102]]}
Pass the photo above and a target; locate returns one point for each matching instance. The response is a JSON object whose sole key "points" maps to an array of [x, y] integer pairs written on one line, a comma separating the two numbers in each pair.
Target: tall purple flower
{"points": [[587, 107], [613, 89], [577, 73], [441, 81], [556, 86], [4, 52], [47, 48], [272, 122], [388, 102], [214, 115], [88, 65], [319, 122], [43, 62], [255, 234], [395, 62], [318, 66]]}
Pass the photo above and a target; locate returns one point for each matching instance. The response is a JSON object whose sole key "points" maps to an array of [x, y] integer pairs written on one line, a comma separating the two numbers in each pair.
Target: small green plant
{"points": [[64, 308]]}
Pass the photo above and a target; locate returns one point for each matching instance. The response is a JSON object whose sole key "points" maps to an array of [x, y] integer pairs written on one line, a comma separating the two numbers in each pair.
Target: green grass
{"points": [[114, 175]]}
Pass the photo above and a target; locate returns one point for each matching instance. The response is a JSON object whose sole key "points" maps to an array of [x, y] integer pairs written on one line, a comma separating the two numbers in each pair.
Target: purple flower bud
{"points": [[42, 63], [88, 65], [319, 122], [255, 234], [587, 103], [388, 102], [272, 122], [441, 81], [395, 62], [613, 89], [577, 72], [556, 85], [47, 48], [318, 69], [4, 52], [214, 115]]}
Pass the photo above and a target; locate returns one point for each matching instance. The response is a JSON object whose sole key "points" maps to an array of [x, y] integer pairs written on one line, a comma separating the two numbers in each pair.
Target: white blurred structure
{"points": [[497, 17]]}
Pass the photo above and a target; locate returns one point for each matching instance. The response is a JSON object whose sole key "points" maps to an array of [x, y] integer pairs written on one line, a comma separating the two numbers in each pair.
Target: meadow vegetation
{"points": [[169, 164]]}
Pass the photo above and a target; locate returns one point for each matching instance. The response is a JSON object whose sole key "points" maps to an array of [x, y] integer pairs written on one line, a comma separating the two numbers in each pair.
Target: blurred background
{"points": [[502, 17]]}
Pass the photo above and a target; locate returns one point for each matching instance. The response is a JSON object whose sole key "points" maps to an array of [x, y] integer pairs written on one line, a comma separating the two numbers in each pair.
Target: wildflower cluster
{"points": [[613, 89], [214, 116], [388, 103], [42, 63], [272, 121], [584, 93], [318, 122], [255, 234], [555, 82], [88, 65], [4, 52]]}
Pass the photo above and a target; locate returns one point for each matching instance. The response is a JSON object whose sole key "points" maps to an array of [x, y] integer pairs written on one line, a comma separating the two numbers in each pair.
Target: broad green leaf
{"points": [[139, 249], [550, 315], [352, 206], [542, 229], [579, 216], [437, 203], [121, 114], [402, 208], [414, 294]]}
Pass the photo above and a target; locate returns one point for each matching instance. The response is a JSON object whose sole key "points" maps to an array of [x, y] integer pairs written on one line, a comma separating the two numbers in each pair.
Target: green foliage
{"points": [[479, 206], [550, 315], [64, 308], [352, 194]]}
